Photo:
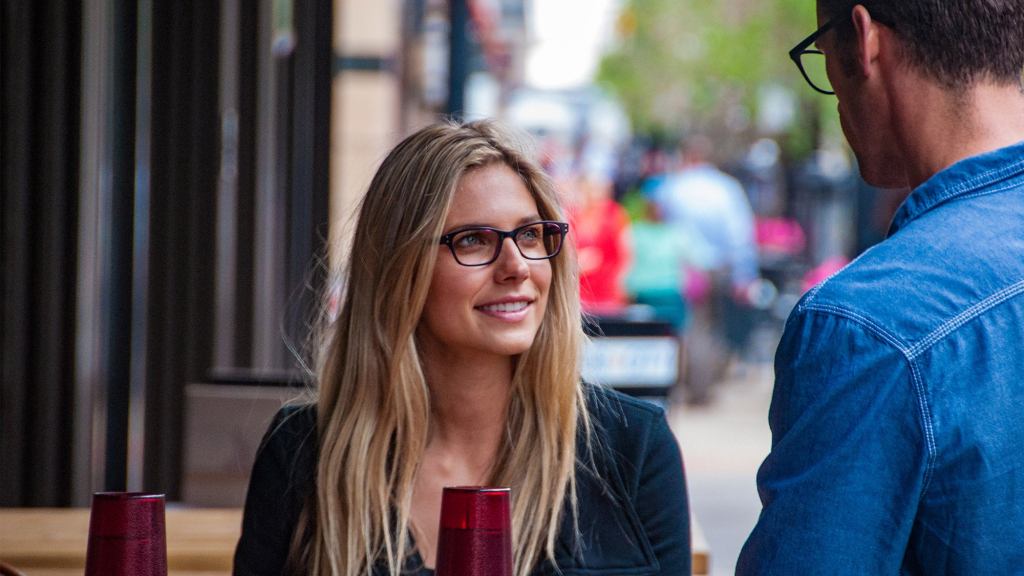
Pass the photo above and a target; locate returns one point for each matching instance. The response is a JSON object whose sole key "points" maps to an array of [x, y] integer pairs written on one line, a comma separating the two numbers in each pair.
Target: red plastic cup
{"points": [[126, 535], [476, 532]]}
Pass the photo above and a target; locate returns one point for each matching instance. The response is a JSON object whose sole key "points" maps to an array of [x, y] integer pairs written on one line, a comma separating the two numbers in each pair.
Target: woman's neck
{"points": [[469, 404]]}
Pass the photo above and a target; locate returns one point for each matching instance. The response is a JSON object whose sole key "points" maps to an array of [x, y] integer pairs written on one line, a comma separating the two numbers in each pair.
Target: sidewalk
{"points": [[723, 443]]}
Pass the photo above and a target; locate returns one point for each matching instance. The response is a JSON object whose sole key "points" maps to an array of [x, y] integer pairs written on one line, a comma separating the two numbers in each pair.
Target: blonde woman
{"points": [[455, 360]]}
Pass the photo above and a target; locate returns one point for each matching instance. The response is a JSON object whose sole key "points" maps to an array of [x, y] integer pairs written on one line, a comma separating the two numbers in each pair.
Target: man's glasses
{"points": [[481, 245], [811, 61]]}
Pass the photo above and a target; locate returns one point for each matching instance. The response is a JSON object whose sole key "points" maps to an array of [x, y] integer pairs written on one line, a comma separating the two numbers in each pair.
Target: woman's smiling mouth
{"points": [[512, 310]]}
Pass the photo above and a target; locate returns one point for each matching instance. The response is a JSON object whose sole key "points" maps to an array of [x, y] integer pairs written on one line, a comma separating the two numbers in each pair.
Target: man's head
{"points": [[953, 42], [889, 61]]}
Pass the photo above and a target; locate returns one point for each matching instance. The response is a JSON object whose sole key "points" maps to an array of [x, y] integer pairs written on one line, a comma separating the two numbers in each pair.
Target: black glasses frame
{"points": [[802, 48], [797, 52], [563, 229]]}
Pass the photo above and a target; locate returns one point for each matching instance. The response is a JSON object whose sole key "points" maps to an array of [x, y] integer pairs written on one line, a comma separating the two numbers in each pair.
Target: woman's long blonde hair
{"points": [[374, 404]]}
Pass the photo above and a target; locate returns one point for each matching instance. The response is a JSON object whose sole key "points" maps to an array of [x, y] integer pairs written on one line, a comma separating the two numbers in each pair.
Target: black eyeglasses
{"points": [[481, 245], [811, 61]]}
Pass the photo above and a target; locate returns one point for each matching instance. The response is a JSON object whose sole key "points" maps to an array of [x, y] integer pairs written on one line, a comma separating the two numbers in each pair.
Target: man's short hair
{"points": [[955, 42]]}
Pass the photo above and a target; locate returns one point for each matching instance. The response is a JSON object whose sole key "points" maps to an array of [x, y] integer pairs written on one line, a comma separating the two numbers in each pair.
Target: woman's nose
{"points": [[511, 265]]}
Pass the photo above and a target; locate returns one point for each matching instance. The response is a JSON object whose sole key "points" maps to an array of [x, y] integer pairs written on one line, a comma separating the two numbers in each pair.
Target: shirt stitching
{"points": [[920, 392], [982, 179], [977, 181], [926, 423], [813, 292], [984, 192], [964, 317], [867, 322]]}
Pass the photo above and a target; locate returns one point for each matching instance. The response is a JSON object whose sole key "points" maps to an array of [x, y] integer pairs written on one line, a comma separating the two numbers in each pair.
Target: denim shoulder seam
{"points": [[954, 323], [868, 323], [813, 292], [920, 393]]}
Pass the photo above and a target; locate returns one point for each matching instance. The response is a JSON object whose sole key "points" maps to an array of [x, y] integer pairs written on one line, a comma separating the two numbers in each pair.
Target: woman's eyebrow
{"points": [[524, 220]]}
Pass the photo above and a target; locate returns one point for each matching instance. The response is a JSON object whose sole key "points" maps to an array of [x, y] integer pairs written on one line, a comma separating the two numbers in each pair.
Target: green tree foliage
{"points": [[684, 65]]}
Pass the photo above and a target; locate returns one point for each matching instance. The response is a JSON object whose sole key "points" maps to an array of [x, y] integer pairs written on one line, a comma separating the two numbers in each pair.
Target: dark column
{"points": [[458, 57], [38, 152], [185, 161], [310, 153], [117, 294]]}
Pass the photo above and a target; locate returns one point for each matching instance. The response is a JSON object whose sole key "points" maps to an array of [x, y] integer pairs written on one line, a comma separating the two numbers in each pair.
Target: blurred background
{"points": [[175, 172]]}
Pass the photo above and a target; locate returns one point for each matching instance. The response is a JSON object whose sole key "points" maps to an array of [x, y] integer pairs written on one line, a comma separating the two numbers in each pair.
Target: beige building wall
{"points": [[366, 106]]}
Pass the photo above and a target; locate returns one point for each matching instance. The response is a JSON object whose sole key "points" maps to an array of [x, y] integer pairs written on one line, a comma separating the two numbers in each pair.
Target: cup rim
{"points": [[128, 495], [478, 489]]}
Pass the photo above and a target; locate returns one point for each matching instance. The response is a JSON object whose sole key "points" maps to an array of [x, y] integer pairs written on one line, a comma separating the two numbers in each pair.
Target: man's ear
{"points": [[866, 36]]}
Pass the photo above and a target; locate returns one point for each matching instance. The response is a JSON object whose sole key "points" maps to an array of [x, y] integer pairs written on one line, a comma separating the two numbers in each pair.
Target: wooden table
{"points": [[700, 555], [52, 541], [78, 572], [200, 541]]}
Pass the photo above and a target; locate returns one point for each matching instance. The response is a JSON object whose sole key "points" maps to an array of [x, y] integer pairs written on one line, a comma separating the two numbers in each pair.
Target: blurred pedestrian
{"points": [[897, 437], [601, 232], [664, 255], [699, 197]]}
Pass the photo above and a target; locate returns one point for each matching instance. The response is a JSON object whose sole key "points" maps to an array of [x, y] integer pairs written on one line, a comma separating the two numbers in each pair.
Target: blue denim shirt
{"points": [[898, 413]]}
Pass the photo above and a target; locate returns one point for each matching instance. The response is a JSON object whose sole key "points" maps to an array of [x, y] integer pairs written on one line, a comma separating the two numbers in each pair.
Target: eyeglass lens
{"points": [[813, 64], [478, 246]]}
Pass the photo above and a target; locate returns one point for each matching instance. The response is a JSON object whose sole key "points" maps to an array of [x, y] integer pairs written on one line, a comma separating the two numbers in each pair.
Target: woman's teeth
{"points": [[505, 307]]}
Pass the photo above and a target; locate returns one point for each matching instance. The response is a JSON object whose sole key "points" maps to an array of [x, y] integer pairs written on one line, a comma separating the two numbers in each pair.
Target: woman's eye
{"points": [[469, 240], [531, 234]]}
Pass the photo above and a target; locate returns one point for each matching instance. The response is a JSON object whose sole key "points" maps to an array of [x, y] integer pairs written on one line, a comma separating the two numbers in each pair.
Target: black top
{"points": [[633, 514]]}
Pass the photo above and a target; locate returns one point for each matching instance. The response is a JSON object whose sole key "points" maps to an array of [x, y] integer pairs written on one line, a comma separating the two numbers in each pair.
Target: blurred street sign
{"points": [[632, 361]]}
